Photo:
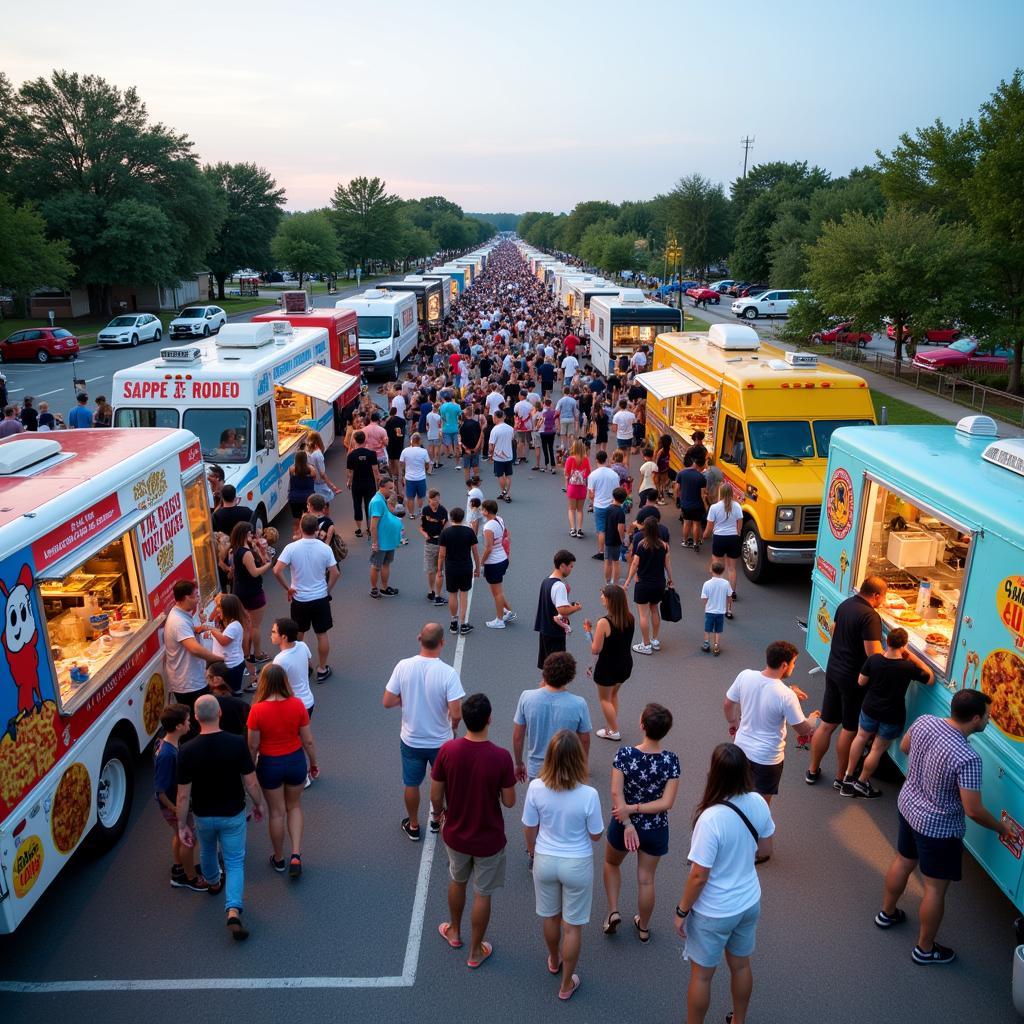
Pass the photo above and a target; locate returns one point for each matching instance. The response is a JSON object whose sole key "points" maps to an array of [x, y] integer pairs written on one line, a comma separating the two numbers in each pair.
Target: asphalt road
{"points": [[347, 942]]}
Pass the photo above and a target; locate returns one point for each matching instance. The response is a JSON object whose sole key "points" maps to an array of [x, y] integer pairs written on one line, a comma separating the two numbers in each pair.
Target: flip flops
{"points": [[558, 967], [442, 930], [566, 996], [488, 950]]}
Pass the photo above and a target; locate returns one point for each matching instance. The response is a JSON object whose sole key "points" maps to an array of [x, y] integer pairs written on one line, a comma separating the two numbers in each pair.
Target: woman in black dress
{"points": [[600, 421], [250, 562], [611, 641], [650, 565]]}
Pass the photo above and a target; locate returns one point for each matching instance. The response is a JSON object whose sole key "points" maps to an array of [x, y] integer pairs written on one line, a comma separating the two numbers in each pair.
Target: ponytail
{"points": [[725, 494]]}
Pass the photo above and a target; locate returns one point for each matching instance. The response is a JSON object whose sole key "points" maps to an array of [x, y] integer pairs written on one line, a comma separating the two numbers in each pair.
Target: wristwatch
{"points": [[680, 912]]}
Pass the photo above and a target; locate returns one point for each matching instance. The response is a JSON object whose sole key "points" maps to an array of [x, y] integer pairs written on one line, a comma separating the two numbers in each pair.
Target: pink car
{"points": [[704, 295], [961, 354], [936, 336]]}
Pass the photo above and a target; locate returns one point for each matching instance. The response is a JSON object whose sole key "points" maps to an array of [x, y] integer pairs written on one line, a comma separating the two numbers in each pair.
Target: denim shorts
{"points": [[415, 761], [885, 730], [470, 459], [273, 772], [707, 938], [416, 488], [714, 622], [600, 519], [451, 439]]}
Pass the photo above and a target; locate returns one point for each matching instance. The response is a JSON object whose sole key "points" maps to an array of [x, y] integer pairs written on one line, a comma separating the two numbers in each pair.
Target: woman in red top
{"points": [[577, 469], [279, 732]]}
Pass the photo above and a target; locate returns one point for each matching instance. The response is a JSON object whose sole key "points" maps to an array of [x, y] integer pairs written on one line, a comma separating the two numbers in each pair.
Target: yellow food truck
{"points": [[767, 416]]}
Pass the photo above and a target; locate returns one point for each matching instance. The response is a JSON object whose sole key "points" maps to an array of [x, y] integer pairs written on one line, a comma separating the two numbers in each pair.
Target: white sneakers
{"points": [[496, 624], [509, 616], [642, 648]]}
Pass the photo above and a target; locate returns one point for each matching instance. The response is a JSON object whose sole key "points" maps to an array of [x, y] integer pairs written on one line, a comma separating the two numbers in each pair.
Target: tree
{"points": [[136, 245], [592, 245], [905, 265], [365, 215], [583, 215], [253, 204], [619, 254], [413, 242], [28, 259], [698, 215], [306, 243], [7, 106]]}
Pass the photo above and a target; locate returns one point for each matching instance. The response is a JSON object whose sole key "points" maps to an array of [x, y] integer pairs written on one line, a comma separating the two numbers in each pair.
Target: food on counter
{"points": [[936, 639], [894, 602], [909, 618], [1002, 678]]}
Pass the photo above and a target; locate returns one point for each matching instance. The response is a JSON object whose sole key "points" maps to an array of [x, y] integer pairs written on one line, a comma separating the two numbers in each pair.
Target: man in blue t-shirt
{"points": [[80, 417], [385, 536], [449, 413]]}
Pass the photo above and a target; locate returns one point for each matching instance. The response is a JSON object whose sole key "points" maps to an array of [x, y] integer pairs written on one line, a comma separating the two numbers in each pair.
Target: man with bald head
{"points": [[428, 691], [215, 771]]}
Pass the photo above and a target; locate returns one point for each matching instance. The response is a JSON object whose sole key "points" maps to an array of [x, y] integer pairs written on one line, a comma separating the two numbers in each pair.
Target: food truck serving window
{"points": [[292, 410], [146, 418], [201, 528], [922, 557], [223, 433], [627, 338], [94, 612]]}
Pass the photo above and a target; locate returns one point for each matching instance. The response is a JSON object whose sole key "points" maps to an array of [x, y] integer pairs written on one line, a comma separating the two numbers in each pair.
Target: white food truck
{"points": [[96, 527], [620, 324], [388, 328], [250, 395]]}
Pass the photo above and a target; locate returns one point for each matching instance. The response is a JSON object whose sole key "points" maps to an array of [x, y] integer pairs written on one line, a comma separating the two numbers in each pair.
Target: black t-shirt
{"points": [[226, 519], [855, 622], [433, 522], [395, 426], [362, 462], [615, 516], [652, 563], [486, 364], [458, 542], [547, 374], [646, 512], [234, 713], [469, 433], [691, 486], [886, 699], [639, 536], [636, 392], [613, 381], [214, 764]]}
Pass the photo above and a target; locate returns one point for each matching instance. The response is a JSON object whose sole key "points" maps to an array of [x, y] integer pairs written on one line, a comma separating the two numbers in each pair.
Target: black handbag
{"points": [[671, 606]]}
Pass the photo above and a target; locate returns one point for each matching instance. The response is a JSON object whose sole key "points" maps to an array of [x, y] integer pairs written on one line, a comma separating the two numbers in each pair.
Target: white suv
{"points": [[197, 320], [773, 303]]}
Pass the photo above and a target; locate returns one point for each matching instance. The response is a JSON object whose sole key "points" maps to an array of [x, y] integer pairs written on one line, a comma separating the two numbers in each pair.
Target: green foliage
{"points": [[136, 245], [306, 243], [583, 215], [252, 204], [618, 254], [366, 217], [28, 259], [498, 221], [699, 217]]}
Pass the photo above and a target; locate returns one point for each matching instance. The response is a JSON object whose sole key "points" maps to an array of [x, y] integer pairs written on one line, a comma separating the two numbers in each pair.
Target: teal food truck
{"points": [[938, 513]]}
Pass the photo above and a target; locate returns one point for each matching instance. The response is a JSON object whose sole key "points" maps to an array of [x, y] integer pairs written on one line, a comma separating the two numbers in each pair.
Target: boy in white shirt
{"points": [[297, 662], [474, 501], [717, 597]]}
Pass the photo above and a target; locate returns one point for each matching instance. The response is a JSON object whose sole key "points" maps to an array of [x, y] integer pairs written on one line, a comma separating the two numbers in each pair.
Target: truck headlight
{"points": [[785, 527], [786, 514], [385, 350]]}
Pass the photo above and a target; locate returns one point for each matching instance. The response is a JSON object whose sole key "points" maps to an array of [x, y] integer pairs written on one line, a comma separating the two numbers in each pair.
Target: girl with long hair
{"points": [[577, 469], [661, 458], [280, 741], [316, 453], [611, 640], [228, 632], [248, 567], [721, 902], [650, 565], [301, 484], [725, 523]]}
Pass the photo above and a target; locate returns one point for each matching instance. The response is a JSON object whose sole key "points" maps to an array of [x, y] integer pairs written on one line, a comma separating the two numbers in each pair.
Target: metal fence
{"points": [[962, 390]]}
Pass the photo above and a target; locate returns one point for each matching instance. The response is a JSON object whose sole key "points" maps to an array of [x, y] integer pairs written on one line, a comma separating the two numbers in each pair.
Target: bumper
{"points": [[112, 342], [790, 556]]}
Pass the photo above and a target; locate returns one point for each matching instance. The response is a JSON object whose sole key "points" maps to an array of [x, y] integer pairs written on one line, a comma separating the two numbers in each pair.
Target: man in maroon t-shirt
{"points": [[471, 779]]}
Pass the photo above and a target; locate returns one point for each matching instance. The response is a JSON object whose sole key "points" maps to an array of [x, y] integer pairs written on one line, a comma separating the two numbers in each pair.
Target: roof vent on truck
{"points": [[183, 354], [251, 335], [631, 295], [978, 426], [734, 338], [1007, 453], [17, 456]]}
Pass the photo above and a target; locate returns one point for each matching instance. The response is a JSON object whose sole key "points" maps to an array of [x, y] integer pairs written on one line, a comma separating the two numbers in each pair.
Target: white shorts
{"points": [[563, 885]]}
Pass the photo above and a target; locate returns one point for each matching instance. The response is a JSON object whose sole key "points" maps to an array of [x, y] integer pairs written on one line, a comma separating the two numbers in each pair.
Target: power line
{"points": [[747, 143]]}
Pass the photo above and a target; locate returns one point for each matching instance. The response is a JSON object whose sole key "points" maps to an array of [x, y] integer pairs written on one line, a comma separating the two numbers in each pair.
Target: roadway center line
{"points": [[43, 394]]}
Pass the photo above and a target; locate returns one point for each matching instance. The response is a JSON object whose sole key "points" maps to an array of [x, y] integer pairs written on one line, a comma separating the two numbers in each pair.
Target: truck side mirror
{"points": [[268, 440]]}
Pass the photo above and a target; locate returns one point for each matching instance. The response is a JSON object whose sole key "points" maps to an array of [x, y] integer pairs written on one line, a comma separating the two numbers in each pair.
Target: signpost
{"points": [[674, 255]]}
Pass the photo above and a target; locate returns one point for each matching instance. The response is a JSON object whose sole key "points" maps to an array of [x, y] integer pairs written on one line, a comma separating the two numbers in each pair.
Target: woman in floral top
{"points": [[645, 780]]}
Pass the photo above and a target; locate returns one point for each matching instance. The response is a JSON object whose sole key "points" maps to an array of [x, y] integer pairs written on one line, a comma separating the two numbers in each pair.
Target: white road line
{"points": [[45, 393], [89, 380]]}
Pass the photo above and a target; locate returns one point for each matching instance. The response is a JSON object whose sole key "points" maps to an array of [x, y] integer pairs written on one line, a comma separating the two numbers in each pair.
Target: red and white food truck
{"points": [[96, 526]]}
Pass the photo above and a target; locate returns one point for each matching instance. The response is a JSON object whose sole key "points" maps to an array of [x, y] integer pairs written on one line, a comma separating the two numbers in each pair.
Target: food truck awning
{"points": [[321, 382], [668, 383]]}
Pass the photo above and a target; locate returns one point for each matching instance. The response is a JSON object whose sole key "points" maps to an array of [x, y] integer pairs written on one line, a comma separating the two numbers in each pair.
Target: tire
{"points": [[114, 791], [259, 518], [206, 330], [750, 313], [135, 341], [42, 356], [753, 553], [158, 335]]}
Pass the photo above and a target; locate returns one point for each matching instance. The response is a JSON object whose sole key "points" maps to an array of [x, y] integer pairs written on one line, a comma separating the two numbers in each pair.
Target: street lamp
{"points": [[674, 254]]}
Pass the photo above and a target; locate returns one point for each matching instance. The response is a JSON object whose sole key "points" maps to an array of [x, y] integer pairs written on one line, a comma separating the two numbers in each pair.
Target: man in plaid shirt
{"points": [[943, 785]]}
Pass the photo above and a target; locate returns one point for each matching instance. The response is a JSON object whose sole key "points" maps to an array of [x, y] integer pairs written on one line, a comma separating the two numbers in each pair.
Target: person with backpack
{"points": [[577, 470], [495, 558]]}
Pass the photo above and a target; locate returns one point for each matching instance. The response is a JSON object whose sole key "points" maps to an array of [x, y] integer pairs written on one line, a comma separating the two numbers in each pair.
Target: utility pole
{"points": [[747, 143]]}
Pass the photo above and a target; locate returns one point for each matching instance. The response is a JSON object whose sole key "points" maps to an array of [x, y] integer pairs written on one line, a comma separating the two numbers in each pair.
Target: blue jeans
{"points": [[231, 833]]}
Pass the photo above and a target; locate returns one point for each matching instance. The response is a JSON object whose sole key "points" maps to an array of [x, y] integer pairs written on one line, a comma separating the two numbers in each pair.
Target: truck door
{"points": [[265, 441]]}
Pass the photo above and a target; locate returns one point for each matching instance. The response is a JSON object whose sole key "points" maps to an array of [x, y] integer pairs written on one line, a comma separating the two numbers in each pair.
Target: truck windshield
{"points": [[823, 430], [373, 328], [780, 439], [223, 433], [146, 418]]}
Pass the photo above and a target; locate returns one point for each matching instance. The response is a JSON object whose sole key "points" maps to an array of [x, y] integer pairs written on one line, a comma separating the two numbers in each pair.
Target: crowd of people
{"points": [[505, 380]]}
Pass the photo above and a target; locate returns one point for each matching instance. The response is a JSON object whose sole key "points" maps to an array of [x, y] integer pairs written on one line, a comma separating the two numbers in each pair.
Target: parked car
{"points": [[130, 329], [722, 286], [700, 294], [842, 333], [773, 303], [39, 343], [962, 354], [736, 287], [751, 290], [936, 336], [197, 321]]}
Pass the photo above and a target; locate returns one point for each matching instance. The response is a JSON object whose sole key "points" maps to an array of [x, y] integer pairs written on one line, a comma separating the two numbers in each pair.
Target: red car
{"points": [[936, 336], [843, 333], [961, 354], [704, 295], [39, 343]]}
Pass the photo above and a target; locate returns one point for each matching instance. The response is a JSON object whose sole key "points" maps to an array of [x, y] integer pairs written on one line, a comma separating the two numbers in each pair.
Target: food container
{"points": [[99, 623], [119, 630]]}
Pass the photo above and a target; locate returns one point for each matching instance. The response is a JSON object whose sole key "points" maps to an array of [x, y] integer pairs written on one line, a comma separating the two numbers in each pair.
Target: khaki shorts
{"points": [[488, 872], [430, 553]]}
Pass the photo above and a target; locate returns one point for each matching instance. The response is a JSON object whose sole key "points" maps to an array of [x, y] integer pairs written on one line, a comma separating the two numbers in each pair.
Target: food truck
{"points": [[767, 417], [388, 328], [938, 513], [458, 276], [449, 289], [342, 335], [619, 324], [474, 266], [429, 301], [250, 395], [96, 527], [578, 302]]}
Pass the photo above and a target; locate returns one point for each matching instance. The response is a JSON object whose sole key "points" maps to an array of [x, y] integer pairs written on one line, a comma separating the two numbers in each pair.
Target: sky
{"points": [[507, 107]]}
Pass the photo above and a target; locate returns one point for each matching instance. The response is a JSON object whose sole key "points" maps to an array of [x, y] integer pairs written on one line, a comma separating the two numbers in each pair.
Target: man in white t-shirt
{"points": [[600, 485], [523, 412], [429, 692], [758, 706], [185, 657], [494, 399], [570, 366], [502, 451], [623, 421], [313, 571], [415, 462], [294, 657]]}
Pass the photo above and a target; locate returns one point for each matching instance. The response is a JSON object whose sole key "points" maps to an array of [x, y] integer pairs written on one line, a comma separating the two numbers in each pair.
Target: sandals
{"points": [[238, 930], [641, 932], [558, 967], [488, 950], [442, 930], [566, 996], [611, 923]]}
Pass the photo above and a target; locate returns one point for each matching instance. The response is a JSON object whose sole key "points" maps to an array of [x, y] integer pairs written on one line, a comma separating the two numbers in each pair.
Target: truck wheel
{"points": [[750, 313], [260, 518], [114, 791], [753, 553]]}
